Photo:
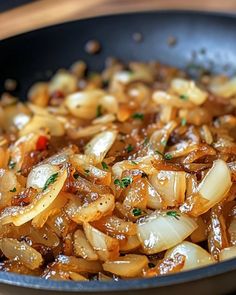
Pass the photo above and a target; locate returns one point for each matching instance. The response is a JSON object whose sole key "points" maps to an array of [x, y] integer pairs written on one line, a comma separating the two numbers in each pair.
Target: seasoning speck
{"points": [[92, 47], [137, 37], [171, 41]]}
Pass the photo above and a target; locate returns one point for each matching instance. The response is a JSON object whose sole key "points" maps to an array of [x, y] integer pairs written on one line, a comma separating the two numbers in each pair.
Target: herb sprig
{"points": [[50, 180], [124, 182]]}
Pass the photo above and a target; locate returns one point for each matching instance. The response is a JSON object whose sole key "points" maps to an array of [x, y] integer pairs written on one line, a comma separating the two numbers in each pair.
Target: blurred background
{"points": [[17, 16]]}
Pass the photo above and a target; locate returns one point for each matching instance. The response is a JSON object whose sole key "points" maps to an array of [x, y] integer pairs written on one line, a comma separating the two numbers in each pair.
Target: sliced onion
{"points": [[90, 212], [21, 120], [171, 185], [99, 145], [107, 247], [212, 189], [224, 89], [232, 231], [131, 243], [20, 215], [76, 276], [227, 253], [130, 265], [82, 247], [200, 233], [83, 104], [109, 103], [104, 119], [48, 122], [63, 81], [160, 230], [21, 251], [38, 94], [195, 255], [8, 182], [40, 174], [190, 90], [167, 99]]}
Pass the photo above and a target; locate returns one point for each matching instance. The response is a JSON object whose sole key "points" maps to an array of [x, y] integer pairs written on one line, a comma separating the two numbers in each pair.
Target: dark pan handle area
{"points": [[204, 40]]}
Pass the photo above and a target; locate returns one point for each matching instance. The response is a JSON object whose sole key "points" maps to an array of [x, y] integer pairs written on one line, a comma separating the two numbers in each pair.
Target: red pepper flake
{"points": [[42, 143]]}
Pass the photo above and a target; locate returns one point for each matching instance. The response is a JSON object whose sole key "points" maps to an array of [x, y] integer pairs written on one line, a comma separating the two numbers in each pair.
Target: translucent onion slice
{"points": [[83, 104], [224, 89], [63, 81], [90, 212], [21, 251], [129, 266], [82, 248], [189, 90], [162, 230], [212, 189], [227, 253], [8, 182], [232, 231], [40, 174], [38, 94], [76, 276], [195, 255], [48, 122], [167, 99], [71, 263], [20, 215], [131, 243], [107, 247], [200, 233], [171, 185], [99, 145]]}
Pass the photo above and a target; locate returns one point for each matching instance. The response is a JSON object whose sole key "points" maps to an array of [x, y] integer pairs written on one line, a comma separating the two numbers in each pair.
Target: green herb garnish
{"points": [[136, 211], [76, 175], [159, 153], [134, 163], [168, 156], [174, 214], [99, 111], [145, 142], [151, 265], [50, 180], [13, 190], [129, 148], [164, 142], [11, 164], [104, 166], [183, 97], [124, 182], [138, 116], [86, 171], [183, 121]]}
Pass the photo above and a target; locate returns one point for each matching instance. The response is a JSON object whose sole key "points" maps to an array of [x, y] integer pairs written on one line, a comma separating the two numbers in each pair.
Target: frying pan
{"points": [[203, 40]]}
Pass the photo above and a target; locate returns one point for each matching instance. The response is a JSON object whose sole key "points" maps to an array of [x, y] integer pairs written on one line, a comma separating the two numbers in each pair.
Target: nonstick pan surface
{"points": [[204, 41]]}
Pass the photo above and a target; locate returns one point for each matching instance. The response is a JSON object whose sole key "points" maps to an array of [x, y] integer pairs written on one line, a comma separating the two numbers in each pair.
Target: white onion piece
{"points": [[130, 265], [21, 251], [171, 185], [40, 174], [195, 256], [48, 122], [82, 248], [216, 183], [227, 253], [19, 215], [160, 231], [132, 243], [110, 104], [92, 211], [83, 104], [107, 247], [226, 89], [8, 181], [100, 144], [63, 81], [190, 90], [21, 120]]}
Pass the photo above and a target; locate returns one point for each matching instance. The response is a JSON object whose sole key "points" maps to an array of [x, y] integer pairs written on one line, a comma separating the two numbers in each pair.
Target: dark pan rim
{"points": [[132, 284]]}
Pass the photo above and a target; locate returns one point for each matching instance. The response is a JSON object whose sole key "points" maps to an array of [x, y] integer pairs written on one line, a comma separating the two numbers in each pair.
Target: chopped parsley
{"points": [[50, 180], [76, 175], [124, 182], [86, 171], [13, 190], [159, 153], [174, 214], [129, 148], [136, 211], [164, 142], [138, 116], [151, 265], [99, 111], [183, 97], [104, 166], [11, 164], [168, 156], [183, 121], [134, 163], [145, 142]]}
